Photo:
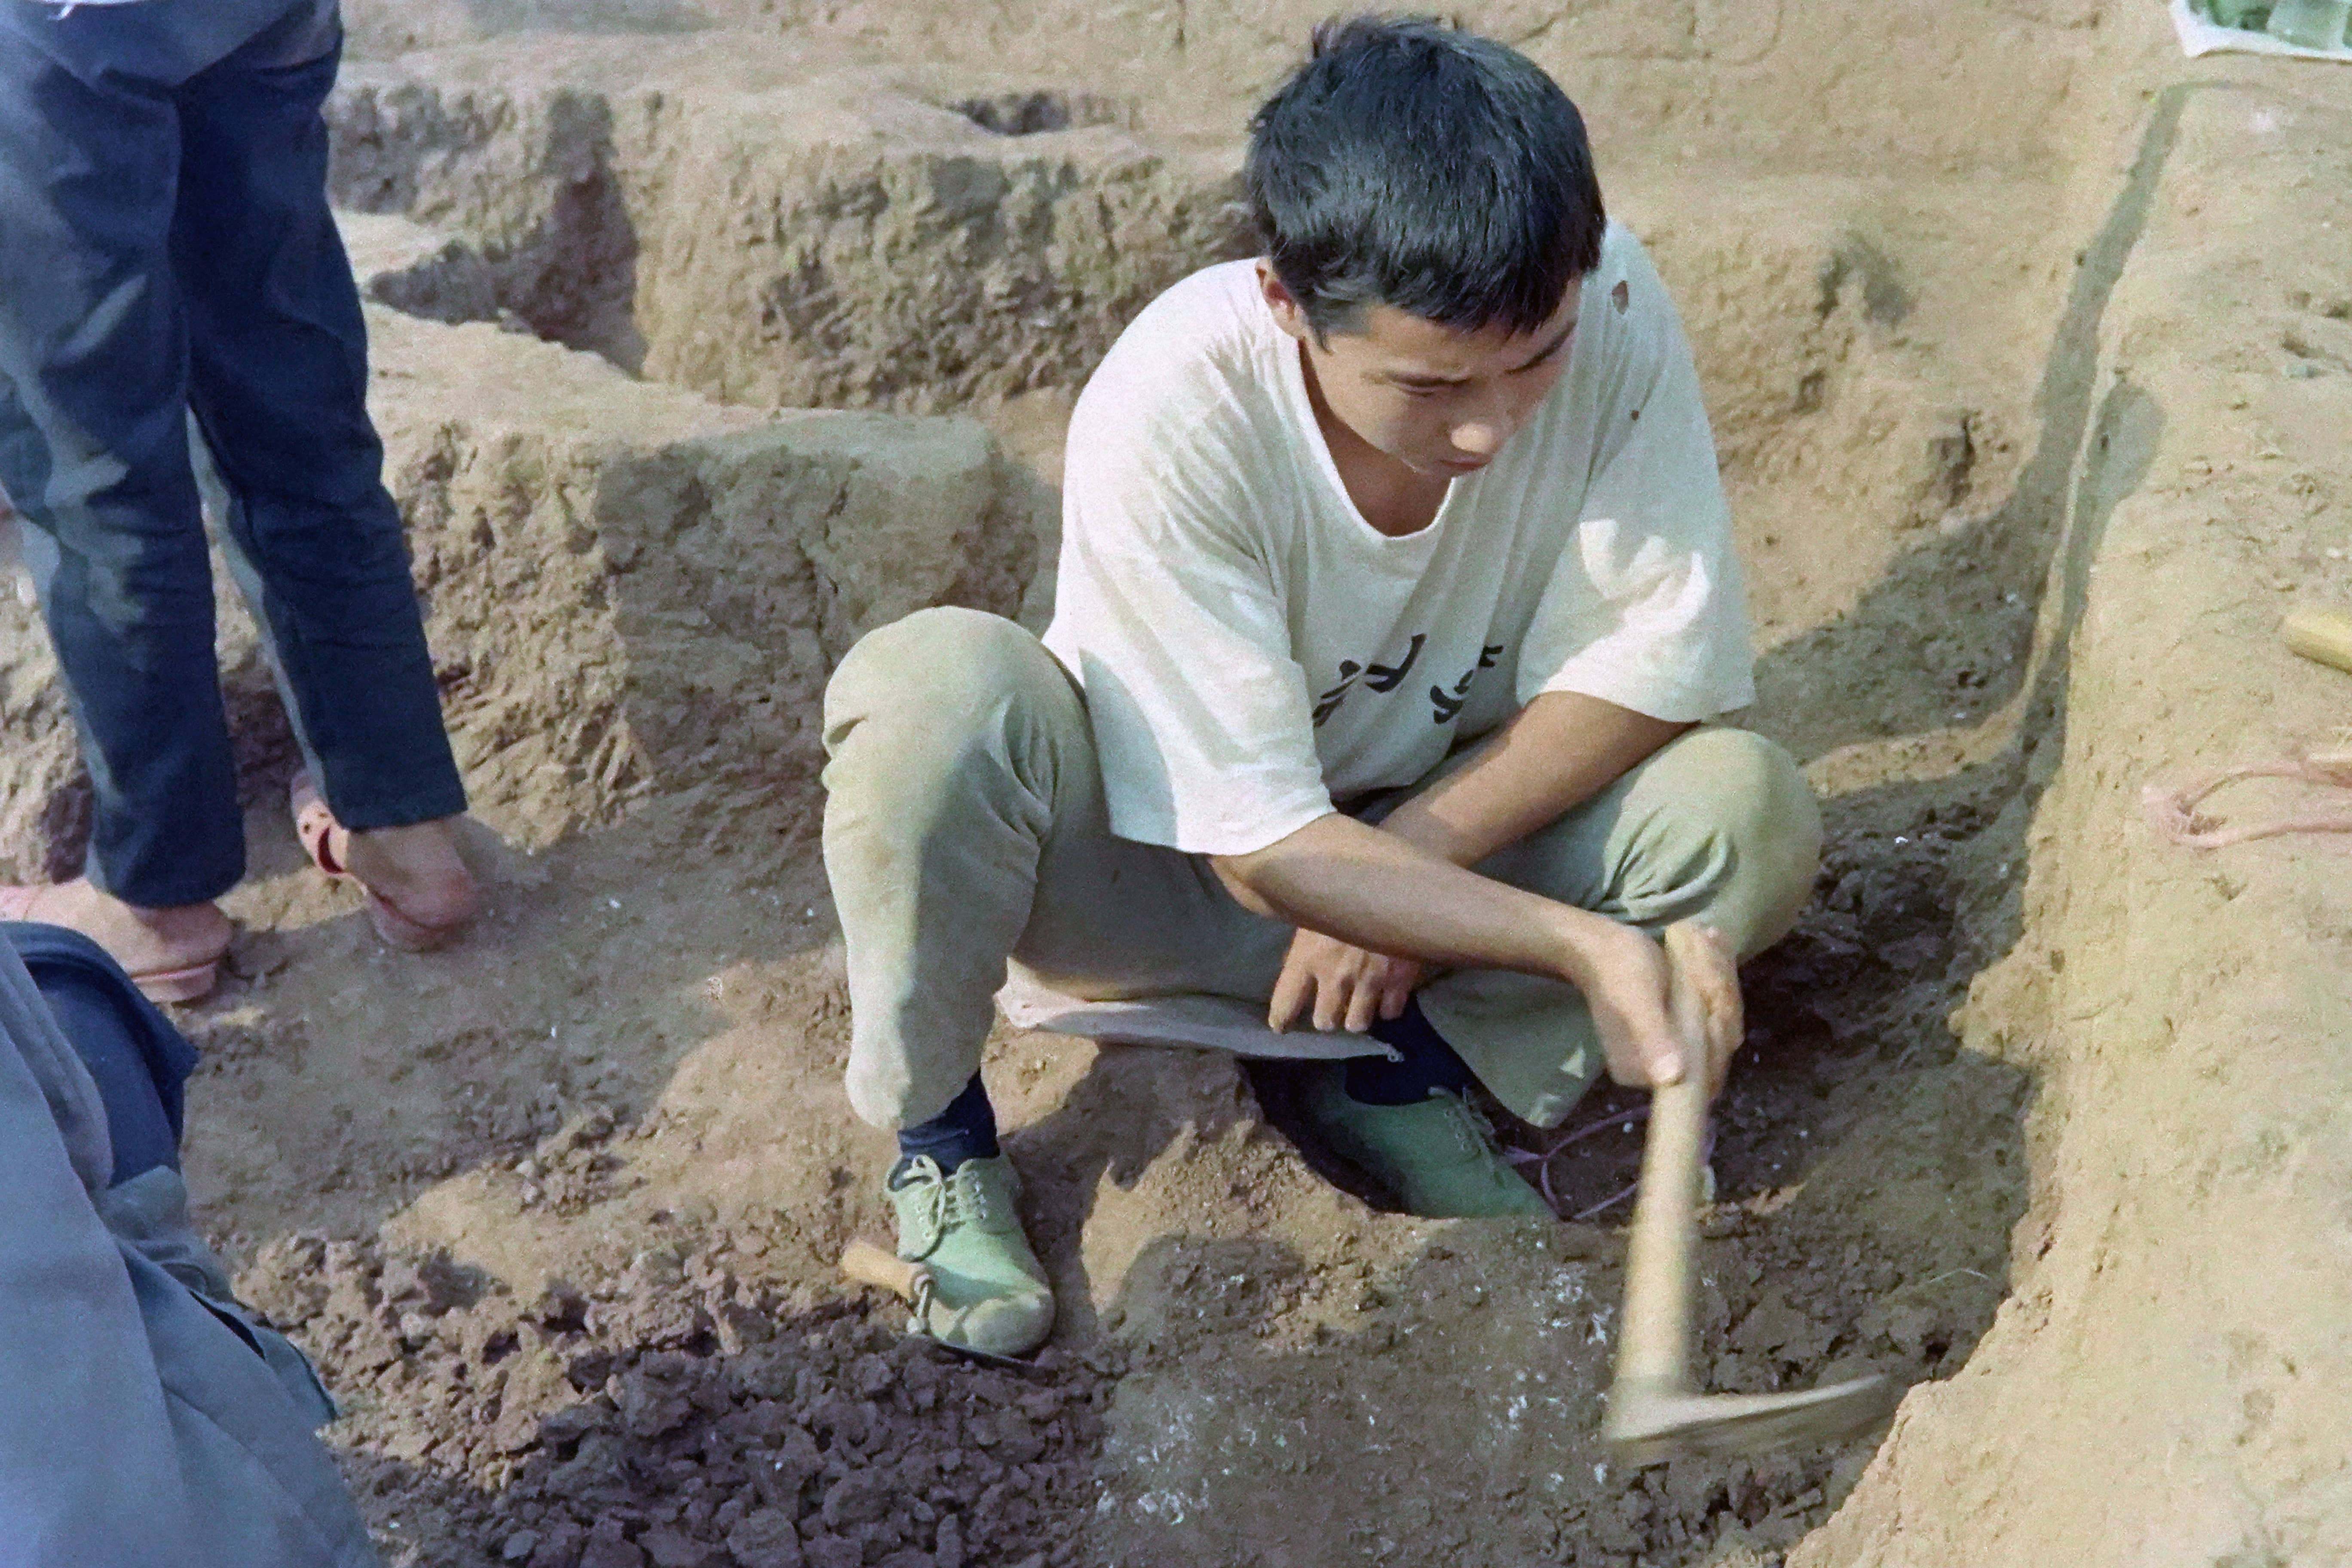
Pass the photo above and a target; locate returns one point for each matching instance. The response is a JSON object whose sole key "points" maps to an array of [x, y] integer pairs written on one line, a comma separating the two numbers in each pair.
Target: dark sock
{"points": [[966, 1130], [1427, 1063]]}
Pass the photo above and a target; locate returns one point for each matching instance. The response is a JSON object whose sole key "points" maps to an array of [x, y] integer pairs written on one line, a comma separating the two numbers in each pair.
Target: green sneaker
{"points": [[989, 1292], [1439, 1158]]}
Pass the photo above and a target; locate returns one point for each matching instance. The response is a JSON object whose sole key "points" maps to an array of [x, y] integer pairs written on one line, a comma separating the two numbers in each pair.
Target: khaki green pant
{"points": [[965, 826]]}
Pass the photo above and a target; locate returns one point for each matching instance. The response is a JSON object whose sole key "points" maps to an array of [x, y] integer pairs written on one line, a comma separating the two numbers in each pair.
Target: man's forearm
{"points": [[1383, 893], [1387, 894], [1560, 749]]}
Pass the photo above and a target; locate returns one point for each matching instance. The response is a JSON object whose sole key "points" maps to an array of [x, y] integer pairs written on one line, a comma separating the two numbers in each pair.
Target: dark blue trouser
{"points": [[140, 1063], [165, 247]]}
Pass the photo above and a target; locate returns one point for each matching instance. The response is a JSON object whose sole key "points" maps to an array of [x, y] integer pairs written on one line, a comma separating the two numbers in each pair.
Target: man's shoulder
{"points": [[1620, 248], [1219, 306], [1626, 329], [1623, 283], [1625, 301], [1196, 353]]}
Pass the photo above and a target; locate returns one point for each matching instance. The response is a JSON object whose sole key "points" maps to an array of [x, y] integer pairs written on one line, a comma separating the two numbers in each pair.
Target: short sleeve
{"points": [[1645, 607], [1171, 620]]}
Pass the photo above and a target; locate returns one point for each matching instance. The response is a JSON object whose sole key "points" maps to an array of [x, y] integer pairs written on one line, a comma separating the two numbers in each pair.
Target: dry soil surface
{"points": [[558, 1210]]}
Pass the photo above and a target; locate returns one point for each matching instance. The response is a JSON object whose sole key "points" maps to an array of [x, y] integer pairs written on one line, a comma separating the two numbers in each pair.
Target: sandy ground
{"points": [[557, 1210]]}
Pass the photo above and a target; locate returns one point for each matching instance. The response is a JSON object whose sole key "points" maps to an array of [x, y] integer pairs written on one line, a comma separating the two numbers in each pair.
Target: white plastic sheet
{"points": [[2203, 36]]}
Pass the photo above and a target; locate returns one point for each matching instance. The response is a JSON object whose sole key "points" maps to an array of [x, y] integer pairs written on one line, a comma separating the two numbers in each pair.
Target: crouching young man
{"points": [[1395, 577]]}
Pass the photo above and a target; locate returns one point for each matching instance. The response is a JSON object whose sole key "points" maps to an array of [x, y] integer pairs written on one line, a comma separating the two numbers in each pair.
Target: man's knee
{"points": [[1760, 793], [1755, 802], [881, 1090], [941, 668]]}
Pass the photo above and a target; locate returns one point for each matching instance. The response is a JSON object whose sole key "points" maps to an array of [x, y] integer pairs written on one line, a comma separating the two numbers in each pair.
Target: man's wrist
{"points": [[1582, 939]]}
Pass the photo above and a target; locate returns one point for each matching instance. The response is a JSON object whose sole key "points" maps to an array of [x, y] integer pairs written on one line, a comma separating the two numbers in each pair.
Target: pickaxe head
{"points": [[1650, 1423]]}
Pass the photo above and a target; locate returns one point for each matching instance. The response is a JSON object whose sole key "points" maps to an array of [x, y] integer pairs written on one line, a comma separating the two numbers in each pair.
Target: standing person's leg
{"points": [[1718, 826], [964, 824], [278, 383], [94, 454]]}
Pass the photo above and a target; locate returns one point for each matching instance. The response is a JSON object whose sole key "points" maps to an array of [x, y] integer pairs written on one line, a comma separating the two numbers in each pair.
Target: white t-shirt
{"points": [[1253, 650]]}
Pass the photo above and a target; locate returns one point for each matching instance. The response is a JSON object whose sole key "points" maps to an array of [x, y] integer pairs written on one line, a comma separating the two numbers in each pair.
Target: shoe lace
{"points": [[1473, 1133], [949, 1201], [963, 1197], [1470, 1130]]}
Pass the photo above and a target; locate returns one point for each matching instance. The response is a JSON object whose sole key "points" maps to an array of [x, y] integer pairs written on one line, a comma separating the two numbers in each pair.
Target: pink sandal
{"points": [[187, 983], [321, 835]]}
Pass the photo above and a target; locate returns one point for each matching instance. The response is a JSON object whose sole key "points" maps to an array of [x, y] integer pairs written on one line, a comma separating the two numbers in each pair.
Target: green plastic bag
{"points": [[2250, 15], [2310, 23]]}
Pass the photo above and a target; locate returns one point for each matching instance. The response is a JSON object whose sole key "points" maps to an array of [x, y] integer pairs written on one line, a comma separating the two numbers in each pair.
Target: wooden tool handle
{"points": [[2322, 634], [1654, 1348], [869, 1265]]}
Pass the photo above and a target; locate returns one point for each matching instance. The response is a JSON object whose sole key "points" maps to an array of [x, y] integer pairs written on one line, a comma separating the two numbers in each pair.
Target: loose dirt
{"points": [[557, 1210]]}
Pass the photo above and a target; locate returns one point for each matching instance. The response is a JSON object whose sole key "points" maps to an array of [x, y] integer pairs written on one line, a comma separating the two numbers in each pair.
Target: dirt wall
{"points": [[1772, 85], [631, 589], [2164, 1385], [730, 218]]}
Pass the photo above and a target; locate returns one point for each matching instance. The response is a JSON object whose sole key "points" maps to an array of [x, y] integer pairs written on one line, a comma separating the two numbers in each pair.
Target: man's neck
{"points": [[1392, 498]]}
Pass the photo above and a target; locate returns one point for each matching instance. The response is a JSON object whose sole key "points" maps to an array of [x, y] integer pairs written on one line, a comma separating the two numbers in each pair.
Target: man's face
{"points": [[1440, 401]]}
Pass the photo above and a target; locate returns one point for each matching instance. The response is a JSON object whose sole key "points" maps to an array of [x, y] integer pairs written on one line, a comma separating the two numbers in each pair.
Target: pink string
{"points": [[2172, 810], [1621, 1121], [1705, 1153], [1609, 1201]]}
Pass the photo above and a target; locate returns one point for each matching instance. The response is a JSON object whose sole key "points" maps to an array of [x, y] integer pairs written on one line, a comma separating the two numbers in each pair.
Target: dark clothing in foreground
{"points": [[146, 1418], [137, 1061]]}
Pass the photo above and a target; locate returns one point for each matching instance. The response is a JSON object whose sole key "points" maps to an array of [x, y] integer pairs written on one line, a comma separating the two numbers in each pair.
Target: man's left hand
{"points": [[1339, 986], [1714, 973]]}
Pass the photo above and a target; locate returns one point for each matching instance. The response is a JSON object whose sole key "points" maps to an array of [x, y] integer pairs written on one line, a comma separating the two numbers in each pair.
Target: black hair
{"points": [[1409, 164]]}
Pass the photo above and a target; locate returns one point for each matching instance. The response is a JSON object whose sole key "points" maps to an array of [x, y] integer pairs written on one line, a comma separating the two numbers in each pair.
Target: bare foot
{"points": [[417, 871], [145, 941]]}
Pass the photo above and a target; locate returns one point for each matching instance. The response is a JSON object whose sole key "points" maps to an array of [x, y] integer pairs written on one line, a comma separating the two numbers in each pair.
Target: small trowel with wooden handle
{"points": [[866, 1264]]}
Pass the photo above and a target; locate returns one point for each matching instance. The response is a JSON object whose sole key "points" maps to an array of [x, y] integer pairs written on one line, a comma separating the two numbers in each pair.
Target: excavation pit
{"points": [[561, 1223]]}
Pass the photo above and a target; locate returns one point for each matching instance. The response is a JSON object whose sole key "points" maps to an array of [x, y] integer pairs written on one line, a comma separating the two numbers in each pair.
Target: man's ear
{"points": [[1287, 312]]}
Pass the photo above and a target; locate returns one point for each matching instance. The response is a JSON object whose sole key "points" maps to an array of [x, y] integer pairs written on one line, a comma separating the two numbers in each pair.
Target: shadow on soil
{"points": [[1958, 615], [686, 1420]]}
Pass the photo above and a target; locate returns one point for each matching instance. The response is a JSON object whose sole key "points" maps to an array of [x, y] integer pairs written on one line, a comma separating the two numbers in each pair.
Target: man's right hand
{"points": [[1622, 971], [1339, 985]]}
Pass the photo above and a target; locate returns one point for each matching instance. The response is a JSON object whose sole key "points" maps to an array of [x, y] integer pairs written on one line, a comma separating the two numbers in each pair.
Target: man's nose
{"points": [[1481, 437]]}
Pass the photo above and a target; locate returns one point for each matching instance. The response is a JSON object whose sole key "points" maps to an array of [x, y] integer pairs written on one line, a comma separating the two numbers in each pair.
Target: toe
{"points": [[1011, 1325]]}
